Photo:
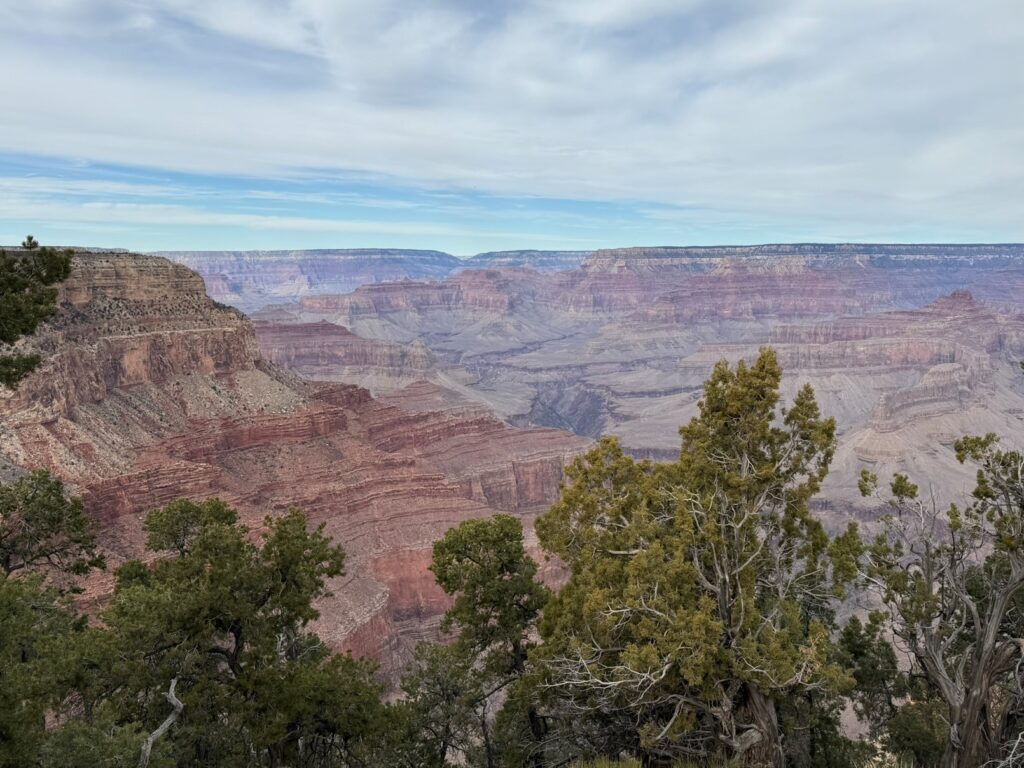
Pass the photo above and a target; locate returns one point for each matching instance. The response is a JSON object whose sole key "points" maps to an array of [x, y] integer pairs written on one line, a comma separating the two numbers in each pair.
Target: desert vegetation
{"points": [[27, 298], [698, 622]]}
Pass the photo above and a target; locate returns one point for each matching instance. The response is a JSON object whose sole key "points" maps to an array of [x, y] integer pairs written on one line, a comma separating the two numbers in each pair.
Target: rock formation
{"points": [[250, 280], [905, 345], [150, 391]]}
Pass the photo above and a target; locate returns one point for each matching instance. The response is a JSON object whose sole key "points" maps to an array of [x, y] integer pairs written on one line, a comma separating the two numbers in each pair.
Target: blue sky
{"points": [[468, 126]]}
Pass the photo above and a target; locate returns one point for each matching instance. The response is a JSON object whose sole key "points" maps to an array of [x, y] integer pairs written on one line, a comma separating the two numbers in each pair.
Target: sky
{"points": [[473, 125]]}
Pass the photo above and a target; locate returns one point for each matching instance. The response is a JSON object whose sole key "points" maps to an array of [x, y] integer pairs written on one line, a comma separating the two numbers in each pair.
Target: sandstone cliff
{"points": [[149, 391]]}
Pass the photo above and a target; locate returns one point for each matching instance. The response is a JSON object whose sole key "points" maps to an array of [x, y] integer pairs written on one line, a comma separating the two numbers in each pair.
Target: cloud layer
{"points": [[695, 120]]}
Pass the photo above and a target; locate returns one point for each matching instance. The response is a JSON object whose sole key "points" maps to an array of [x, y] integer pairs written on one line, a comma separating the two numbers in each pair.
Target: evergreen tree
{"points": [[33, 617], [952, 583], [41, 528], [27, 298], [455, 693], [207, 651], [45, 538], [701, 592]]}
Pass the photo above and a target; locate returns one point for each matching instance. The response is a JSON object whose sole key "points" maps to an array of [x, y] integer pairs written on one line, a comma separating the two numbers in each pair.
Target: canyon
{"points": [[394, 409], [249, 280], [907, 346], [149, 391]]}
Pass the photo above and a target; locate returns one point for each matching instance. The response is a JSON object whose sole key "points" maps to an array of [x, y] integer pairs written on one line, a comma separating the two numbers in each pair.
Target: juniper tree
{"points": [[497, 599], [45, 540], [42, 528], [213, 639], [700, 592], [952, 583], [27, 298]]}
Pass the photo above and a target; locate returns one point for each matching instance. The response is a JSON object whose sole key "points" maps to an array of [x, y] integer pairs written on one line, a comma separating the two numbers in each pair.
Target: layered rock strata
{"points": [[905, 345], [250, 280], [150, 391]]}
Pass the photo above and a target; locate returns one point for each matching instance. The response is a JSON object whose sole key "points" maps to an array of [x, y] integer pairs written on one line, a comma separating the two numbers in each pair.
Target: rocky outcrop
{"points": [[150, 391], [324, 351]]}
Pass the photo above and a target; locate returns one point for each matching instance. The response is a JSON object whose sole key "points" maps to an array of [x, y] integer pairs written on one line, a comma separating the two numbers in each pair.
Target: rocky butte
{"points": [[150, 390], [908, 346]]}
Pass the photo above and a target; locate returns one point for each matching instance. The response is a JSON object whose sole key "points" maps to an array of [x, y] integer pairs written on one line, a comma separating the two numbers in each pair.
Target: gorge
{"points": [[150, 391], [422, 398]]}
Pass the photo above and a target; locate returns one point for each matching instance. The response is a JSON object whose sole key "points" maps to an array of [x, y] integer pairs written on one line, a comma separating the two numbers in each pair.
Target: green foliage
{"points": [[951, 581], [497, 598], [218, 619], [42, 528], [440, 716], [99, 741], [176, 526], [701, 591], [871, 659], [225, 618], [33, 618], [919, 731], [454, 692], [45, 537], [27, 298]]}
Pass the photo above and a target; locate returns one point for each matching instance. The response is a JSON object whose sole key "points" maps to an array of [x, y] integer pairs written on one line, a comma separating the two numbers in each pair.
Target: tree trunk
{"points": [[538, 729], [147, 745], [967, 742], [765, 752]]}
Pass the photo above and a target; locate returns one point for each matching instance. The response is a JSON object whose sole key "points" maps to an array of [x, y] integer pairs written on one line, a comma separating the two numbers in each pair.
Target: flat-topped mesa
{"points": [[818, 255], [493, 290], [251, 280], [542, 261]]}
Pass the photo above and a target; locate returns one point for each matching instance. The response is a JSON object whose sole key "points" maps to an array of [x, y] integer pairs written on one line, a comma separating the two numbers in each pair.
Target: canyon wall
{"points": [[251, 280], [150, 391], [907, 346]]}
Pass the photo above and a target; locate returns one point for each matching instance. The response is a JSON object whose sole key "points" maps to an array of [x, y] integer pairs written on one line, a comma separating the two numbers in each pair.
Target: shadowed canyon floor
{"points": [[907, 346], [149, 391]]}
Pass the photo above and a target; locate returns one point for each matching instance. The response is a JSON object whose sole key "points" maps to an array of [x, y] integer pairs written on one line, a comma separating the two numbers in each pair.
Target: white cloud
{"points": [[868, 112]]}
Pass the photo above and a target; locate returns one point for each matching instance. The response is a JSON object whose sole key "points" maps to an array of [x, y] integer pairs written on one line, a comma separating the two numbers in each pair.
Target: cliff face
{"points": [[544, 261], [904, 345], [150, 391], [251, 280]]}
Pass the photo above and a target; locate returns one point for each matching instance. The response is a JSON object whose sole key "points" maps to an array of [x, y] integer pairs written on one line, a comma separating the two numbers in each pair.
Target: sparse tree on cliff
{"points": [[701, 591], [952, 581], [456, 692], [42, 528], [29, 243], [27, 298], [206, 654]]}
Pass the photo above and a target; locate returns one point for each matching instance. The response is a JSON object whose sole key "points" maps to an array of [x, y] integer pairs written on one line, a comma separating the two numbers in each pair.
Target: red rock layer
{"points": [[150, 391]]}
